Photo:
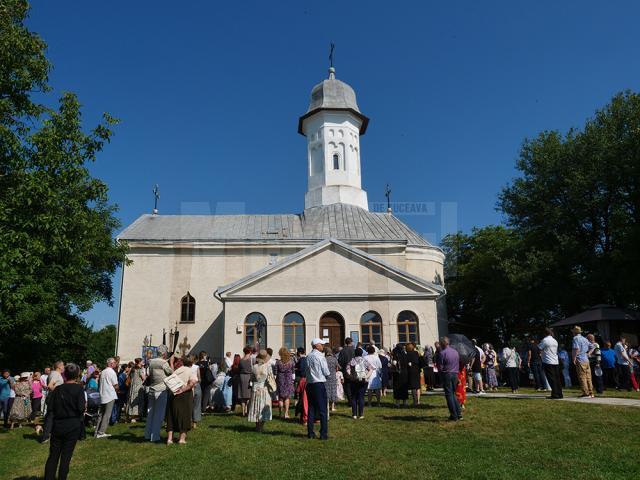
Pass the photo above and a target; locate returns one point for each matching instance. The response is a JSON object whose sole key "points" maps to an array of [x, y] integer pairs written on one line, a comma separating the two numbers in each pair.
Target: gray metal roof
{"points": [[340, 221], [333, 94]]}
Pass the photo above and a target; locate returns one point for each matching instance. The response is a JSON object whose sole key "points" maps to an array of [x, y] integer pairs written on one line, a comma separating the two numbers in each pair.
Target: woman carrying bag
{"points": [[358, 372], [180, 404]]}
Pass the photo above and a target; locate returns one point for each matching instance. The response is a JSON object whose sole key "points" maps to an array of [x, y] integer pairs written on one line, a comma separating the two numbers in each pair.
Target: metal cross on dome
{"points": [[331, 49], [387, 193], [156, 196]]}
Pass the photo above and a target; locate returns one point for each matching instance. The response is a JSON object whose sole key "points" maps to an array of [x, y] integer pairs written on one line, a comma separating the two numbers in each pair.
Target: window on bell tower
{"points": [[336, 161]]}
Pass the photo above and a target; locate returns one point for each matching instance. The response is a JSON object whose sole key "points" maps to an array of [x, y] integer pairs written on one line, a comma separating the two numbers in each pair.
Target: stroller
{"points": [[93, 408]]}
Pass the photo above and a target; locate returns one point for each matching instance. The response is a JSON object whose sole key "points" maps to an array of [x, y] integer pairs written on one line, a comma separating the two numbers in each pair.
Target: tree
{"points": [[57, 251], [572, 237], [493, 284], [101, 345], [578, 200]]}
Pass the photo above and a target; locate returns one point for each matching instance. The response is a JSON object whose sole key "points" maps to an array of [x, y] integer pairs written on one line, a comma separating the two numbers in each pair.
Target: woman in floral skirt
{"points": [[284, 368], [259, 409]]}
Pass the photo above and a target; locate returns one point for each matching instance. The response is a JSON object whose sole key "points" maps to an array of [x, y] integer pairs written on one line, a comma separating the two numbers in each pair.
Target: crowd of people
{"points": [[175, 391]]}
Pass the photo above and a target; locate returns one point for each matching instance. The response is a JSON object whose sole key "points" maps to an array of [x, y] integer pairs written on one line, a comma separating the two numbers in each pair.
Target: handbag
{"points": [[270, 382], [173, 383]]}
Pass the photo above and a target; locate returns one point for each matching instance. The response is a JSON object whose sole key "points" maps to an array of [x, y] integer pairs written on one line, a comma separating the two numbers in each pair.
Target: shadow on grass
{"points": [[137, 425], [252, 429], [31, 436], [26, 478], [129, 437], [414, 418]]}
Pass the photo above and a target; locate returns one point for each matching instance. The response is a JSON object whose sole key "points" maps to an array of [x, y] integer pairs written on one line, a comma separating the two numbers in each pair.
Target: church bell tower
{"points": [[333, 125]]}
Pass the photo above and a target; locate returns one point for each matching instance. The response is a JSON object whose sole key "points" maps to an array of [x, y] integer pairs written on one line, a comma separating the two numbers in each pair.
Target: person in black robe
{"points": [[384, 374], [400, 370], [414, 366]]}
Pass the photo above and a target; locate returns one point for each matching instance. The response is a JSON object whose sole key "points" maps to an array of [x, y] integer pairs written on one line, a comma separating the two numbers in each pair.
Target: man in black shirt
{"points": [[534, 362]]}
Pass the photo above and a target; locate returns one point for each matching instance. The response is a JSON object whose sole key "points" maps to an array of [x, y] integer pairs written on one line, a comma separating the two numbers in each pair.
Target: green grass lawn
{"points": [[498, 439]]}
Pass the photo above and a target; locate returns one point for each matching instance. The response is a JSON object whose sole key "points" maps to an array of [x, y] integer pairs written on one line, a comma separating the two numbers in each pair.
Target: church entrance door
{"points": [[332, 328]]}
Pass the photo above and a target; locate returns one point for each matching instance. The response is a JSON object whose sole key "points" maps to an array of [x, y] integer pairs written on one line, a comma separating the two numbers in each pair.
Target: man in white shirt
{"points": [[44, 381], [54, 379], [624, 365], [108, 397], [317, 372], [549, 350]]}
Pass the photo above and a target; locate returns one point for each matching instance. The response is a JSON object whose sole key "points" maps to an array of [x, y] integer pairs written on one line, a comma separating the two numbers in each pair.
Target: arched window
{"points": [[255, 330], [407, 327], [293, 330], [336, 161], [187, 309], [371, 328]]}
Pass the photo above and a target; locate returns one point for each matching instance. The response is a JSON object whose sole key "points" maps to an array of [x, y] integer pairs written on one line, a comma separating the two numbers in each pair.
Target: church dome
{"points": [[333, 94]]}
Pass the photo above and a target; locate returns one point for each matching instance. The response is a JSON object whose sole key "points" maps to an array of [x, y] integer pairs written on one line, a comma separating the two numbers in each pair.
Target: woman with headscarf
{"points": [[180, 405], [285, 372], [375, 379], [332, 379], [429, 361], [400, 372], [21, 409], [135, 403], [222, 391], [259, 410]]}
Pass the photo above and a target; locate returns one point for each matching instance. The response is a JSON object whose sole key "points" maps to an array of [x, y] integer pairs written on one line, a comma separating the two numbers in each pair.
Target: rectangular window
{"points": [[407, 332], [187, 315], [372, 334], [250, 335], [293, 336]]}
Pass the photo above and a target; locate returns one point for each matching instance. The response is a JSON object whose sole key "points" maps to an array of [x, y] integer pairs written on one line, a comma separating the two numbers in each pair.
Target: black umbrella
{"points": [[463, 346]]}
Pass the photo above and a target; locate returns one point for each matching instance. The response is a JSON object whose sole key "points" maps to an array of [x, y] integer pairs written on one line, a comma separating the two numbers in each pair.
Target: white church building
{"points": [[332, 271]]}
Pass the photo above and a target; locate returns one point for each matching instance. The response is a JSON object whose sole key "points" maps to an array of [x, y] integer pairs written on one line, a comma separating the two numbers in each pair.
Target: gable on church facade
{"points": [[330, 269]]}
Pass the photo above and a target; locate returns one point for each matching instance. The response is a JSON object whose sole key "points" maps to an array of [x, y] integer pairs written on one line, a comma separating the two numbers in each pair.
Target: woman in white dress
{"points": [[375, 380], [259, 410]]}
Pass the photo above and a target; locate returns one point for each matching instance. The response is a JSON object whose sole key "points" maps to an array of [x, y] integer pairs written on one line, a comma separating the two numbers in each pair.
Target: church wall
{"points": [[154, 285], [425, 263], [421, 262], [312, 311], [159, 277]]}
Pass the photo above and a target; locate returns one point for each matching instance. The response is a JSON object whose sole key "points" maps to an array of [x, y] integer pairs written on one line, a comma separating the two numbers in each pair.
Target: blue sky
{"points": [[209, 93]]}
